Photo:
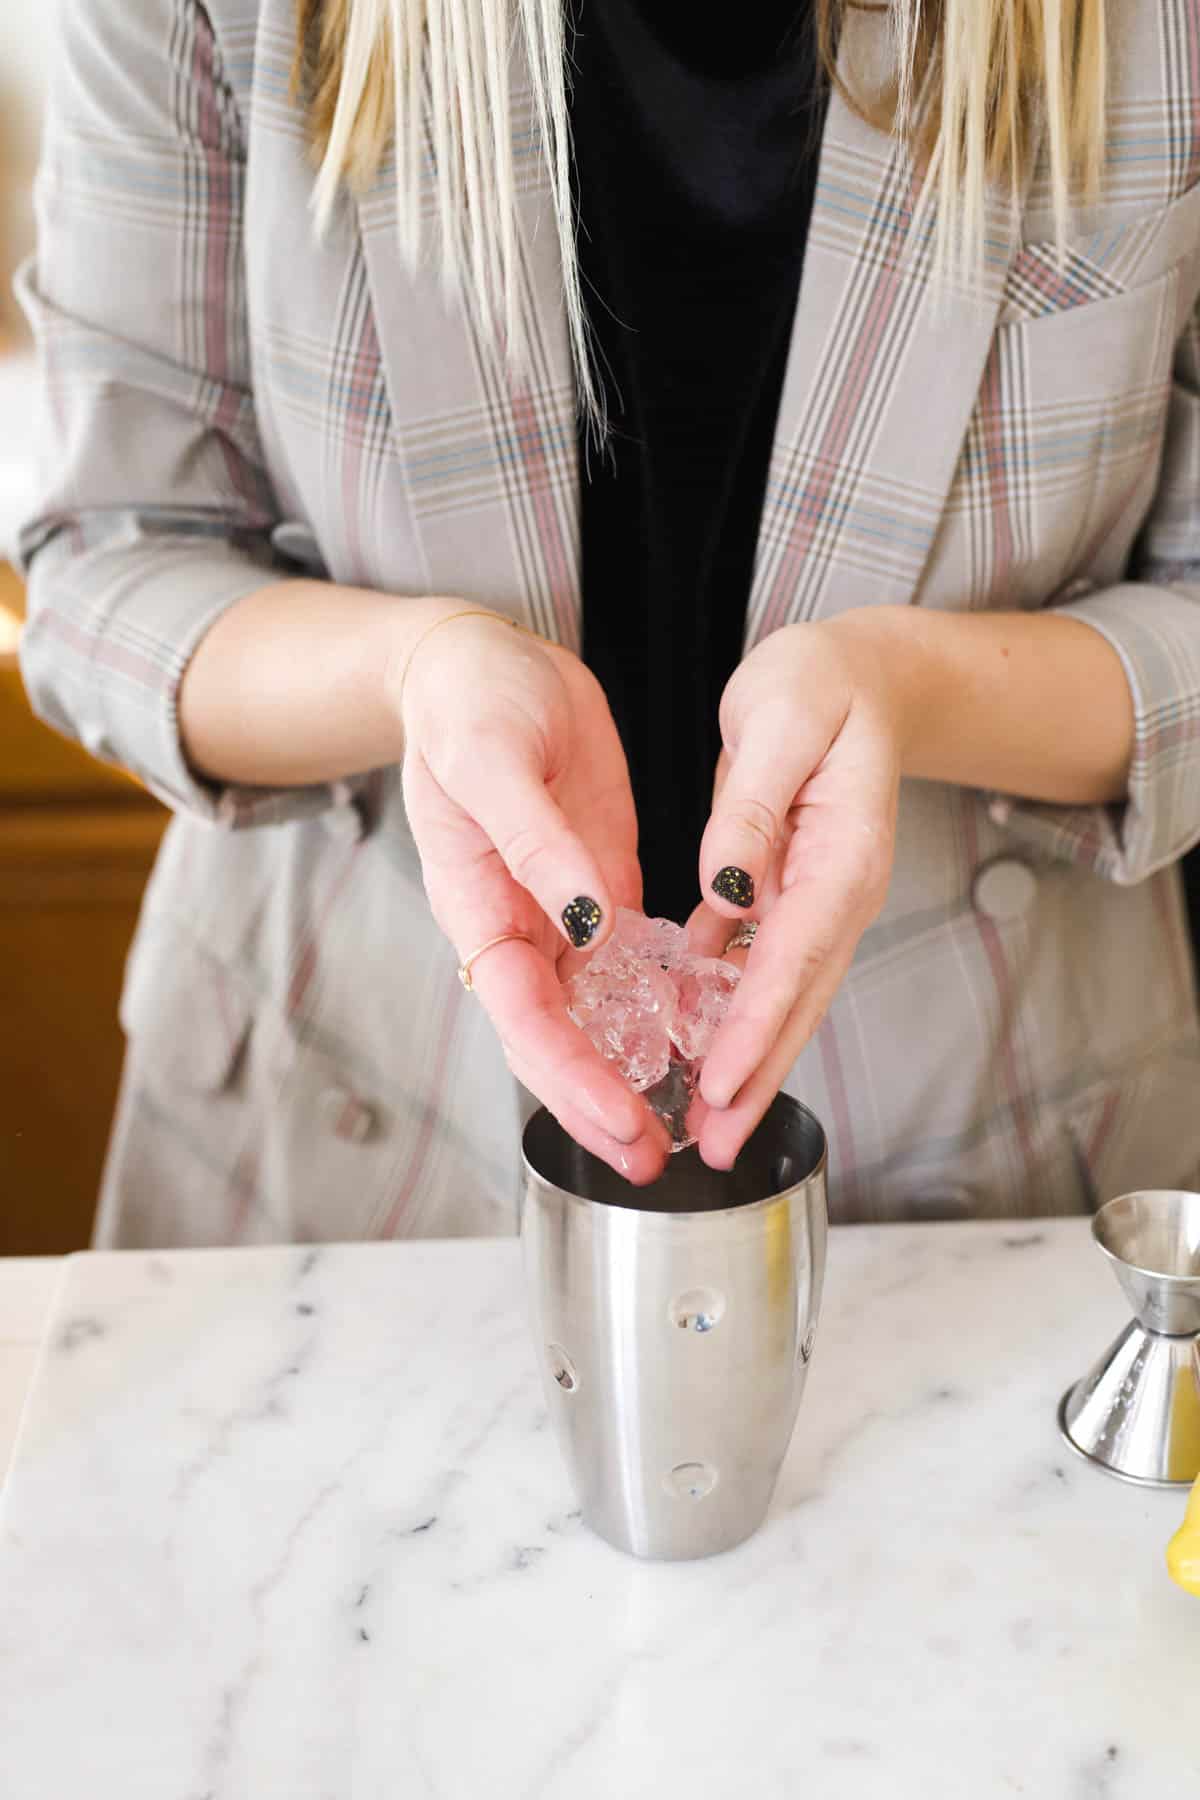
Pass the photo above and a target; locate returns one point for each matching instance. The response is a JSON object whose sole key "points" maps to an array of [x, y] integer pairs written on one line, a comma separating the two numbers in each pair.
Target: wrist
{"points": [[412, 623], [893, 663]]}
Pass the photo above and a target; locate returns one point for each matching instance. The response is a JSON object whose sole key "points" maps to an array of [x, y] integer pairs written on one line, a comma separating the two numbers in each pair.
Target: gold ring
{"points": [[744, 936], [464, 968]]}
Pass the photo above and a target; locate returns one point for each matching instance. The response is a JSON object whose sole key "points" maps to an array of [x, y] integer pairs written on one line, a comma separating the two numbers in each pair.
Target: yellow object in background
{"points": [[1184, 1460], [1183, 1552]]}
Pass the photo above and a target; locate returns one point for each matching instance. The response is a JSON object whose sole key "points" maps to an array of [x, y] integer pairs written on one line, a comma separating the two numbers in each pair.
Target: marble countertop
{"points": [[27, 1285], [291, 1524]]}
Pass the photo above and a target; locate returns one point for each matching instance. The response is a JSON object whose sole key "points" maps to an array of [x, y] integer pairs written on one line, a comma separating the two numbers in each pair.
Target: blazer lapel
{"points": [[883, 374], [490, 461]]}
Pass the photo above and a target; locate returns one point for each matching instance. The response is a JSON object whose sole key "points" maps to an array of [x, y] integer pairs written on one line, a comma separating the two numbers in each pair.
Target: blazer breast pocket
{"points": [[1107, 252], [1061, 462]]}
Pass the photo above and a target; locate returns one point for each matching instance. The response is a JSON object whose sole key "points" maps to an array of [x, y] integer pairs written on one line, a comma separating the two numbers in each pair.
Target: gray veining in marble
{"points": [[291, 1525]]}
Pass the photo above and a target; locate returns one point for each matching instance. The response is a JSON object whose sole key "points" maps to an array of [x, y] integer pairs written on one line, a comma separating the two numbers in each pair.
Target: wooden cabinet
{"points": [[77, 842]]}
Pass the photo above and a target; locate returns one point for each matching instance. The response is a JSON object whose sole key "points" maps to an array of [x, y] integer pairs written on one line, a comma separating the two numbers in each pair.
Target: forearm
{"points": [[296, 684], [1036, 705]]}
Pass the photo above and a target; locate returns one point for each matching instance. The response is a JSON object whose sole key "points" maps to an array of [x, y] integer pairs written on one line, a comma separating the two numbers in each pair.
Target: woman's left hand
{"points": [[805, 807]]}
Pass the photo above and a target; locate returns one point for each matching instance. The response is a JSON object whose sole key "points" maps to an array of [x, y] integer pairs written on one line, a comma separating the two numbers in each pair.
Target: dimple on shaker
{"points": [[674, 1327]]}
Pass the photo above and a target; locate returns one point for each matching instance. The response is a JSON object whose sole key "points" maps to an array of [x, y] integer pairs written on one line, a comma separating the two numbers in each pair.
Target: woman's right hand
{"points": [[518, 798]]}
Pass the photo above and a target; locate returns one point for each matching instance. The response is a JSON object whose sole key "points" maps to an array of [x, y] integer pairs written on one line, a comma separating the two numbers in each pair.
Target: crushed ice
{"points": [[653, 1009]]}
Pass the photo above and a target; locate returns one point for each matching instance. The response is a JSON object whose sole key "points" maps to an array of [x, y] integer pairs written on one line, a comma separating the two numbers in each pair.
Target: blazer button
{"points": [[346, 1116], [1004, 889]]}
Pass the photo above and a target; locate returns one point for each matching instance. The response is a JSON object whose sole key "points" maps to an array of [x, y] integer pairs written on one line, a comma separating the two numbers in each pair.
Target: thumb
{"points": [[504, 791], [739, 851]]}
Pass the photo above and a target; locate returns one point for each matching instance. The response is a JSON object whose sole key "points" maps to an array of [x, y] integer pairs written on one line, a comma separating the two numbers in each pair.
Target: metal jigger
{"points": [[1137, 1412]]}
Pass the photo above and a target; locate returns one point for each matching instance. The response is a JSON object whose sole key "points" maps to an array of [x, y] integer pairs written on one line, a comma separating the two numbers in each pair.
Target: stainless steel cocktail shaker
{"points": [[674, 1325]]}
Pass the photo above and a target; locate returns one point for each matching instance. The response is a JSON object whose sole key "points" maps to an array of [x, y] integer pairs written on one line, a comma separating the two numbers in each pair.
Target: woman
{"points": [[920, 527]]}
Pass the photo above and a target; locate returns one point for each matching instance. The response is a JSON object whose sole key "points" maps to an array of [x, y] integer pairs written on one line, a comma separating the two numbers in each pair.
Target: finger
{"points": [[625, 886], [726, 1129], [720, 775], [474, 899], [500, 784], [834, 880], [788, 951], [698, 1114], [596, 792], [709, 934], [814, 927], [640, 1162], [525, 1001], [625, 881], [709, 931], [774, 758]]}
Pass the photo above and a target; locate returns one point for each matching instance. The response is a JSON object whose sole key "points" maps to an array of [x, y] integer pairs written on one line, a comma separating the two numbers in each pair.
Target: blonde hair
{"points": [[974, 82]]}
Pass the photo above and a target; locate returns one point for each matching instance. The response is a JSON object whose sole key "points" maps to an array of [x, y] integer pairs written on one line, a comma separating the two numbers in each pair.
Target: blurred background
{"points": [[76, 840]]}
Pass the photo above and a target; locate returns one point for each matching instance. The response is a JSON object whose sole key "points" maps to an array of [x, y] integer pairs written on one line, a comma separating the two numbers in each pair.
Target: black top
{"points": [[696, 136]]}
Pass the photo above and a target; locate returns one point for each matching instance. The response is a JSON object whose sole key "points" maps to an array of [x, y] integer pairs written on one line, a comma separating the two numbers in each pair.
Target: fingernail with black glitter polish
{"points": [[581, 917], [735, 886]]}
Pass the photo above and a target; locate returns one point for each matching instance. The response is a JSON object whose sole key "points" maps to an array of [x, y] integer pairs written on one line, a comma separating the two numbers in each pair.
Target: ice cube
{"points": [[650, 940], [633, 984], [636, 1042], [641, 993], [704, 987], [594, 988]]}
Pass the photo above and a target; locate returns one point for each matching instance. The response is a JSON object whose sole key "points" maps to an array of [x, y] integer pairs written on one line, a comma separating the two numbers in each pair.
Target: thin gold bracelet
{"points": [[467, 612]]}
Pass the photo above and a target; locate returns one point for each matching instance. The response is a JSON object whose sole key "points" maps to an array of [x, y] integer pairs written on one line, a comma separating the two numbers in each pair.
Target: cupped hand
{"points": [[801, 840], [518, 798]]}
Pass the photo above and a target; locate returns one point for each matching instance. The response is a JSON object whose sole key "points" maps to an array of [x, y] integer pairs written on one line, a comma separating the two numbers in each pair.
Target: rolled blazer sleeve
{"points": [[155, 511], [1153, 624]]}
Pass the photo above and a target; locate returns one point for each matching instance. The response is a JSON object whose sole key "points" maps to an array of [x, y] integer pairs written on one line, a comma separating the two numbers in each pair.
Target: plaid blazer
{"points": [[226, 399]]}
